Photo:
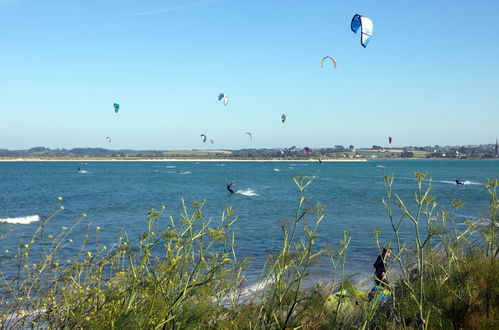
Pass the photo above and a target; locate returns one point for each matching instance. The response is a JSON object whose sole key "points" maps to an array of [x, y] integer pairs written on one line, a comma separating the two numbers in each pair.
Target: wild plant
{"points": [[287, 270], [439, 283], [180, 274]]}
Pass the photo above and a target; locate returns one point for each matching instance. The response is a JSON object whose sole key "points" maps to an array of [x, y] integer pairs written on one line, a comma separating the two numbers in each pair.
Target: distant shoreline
{"points": [[117, 159], [134, 159]]}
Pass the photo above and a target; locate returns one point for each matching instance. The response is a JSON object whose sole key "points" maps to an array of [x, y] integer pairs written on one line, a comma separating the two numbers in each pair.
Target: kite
{"points": [[250, 135], [211, 141], [325, 58], [108, 139], [390, 139], [224, 97], [307, 150], [204, 138], [116, 107], [366, 26], [283, 118]]}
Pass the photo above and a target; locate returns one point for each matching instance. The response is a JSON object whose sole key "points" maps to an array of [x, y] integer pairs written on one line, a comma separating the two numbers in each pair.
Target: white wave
{"points": [[22, 317], [170, 166], [83, 172], [485, 222], [22, 220], [247, 192], [185, 173], [380, 166], [256, 287], [276, 169]]}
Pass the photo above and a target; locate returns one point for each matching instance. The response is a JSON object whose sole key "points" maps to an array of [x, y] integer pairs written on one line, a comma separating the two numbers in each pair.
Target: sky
{"points": [[429, 76]]}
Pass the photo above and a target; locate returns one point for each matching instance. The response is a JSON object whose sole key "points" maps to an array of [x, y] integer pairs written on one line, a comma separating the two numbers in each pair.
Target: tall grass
{"points": [[184, 273]]}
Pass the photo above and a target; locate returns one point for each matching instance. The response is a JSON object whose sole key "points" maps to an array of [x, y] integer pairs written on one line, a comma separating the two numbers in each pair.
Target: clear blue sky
{"points": [[429, 76]]}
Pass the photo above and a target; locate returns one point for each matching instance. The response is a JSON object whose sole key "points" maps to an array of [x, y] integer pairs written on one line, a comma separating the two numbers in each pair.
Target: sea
{"points": [[116, 196]]}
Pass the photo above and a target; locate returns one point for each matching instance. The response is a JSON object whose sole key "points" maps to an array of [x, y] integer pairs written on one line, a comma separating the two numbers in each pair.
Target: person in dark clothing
{"points": [[229, 188], [380, 267], [458, 181]]}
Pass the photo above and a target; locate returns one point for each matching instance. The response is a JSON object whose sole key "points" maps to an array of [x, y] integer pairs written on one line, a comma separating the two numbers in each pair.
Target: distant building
{"points": [[497, 147]]}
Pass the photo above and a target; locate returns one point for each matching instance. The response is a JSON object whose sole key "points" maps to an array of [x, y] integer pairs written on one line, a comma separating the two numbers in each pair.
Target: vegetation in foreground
{"points": [[184, 273]]}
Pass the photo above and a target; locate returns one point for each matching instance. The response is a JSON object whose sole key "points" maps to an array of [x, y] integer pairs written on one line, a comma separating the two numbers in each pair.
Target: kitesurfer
{"points": [[380, 267], [79, 169], [229, 188], [458, 181]]}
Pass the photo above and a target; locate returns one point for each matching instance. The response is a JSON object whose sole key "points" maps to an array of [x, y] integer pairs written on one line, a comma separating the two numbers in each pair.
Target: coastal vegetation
{"points": [[184, 273]]}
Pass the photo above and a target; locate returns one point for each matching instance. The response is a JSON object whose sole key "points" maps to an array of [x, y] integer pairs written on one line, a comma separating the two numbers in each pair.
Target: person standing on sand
{"points": [[380, 268]]}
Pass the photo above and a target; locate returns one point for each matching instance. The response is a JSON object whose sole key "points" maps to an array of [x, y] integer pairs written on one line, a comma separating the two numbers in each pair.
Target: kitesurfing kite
{"points": [[283, 118], [250, 135], [116, 107], [366, 26], [108, 139], [211, 141], [204, 138], [390, 140], [224, 97], [307, 150], [325, 58]]}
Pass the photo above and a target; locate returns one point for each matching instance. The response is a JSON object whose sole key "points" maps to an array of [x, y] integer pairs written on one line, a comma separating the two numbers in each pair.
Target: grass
{"points": [[184, 273]]}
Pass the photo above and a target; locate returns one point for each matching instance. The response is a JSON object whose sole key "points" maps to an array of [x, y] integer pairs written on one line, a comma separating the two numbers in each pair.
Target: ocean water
{"points": [[117, 195]]}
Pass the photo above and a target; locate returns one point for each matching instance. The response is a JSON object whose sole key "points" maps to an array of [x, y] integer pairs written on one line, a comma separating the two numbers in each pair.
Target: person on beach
{"points": [[380, 268], [229, 188]]}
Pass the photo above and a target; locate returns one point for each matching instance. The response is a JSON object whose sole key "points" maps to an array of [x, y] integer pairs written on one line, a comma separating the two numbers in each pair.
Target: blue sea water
{"points": [[117, 195]]}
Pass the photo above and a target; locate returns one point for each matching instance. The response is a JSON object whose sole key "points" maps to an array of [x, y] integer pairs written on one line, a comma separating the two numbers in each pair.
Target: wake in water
{"points": [[247, 192], [83, 172], [276, 169], [21, 220], [170, 166], [460, 184]]}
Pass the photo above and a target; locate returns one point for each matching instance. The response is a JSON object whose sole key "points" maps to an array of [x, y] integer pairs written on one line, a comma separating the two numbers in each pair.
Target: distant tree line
{"points": [[294, 152]]}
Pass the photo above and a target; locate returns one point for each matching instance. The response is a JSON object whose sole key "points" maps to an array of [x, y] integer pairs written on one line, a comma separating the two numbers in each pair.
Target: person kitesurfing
{"points": [[459, 181], [229, 188]]}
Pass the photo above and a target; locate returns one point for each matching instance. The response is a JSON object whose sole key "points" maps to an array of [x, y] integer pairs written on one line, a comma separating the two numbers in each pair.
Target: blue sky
{"points": [[430, 75]]}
